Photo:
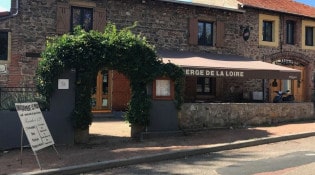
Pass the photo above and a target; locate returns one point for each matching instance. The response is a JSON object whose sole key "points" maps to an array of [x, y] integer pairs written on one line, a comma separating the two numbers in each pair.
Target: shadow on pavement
{"points": [[115, 132], [110, 140]]}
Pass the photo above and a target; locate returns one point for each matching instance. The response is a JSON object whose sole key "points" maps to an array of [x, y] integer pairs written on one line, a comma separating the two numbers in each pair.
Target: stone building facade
{"points": [[166, 25]]}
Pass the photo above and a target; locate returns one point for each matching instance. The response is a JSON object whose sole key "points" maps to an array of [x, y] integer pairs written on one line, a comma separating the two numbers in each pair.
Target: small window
{"points": [[82, 17], [290, 32], [4, 46], [309, 36], [205, 33], [204, 86], [267, 31]]}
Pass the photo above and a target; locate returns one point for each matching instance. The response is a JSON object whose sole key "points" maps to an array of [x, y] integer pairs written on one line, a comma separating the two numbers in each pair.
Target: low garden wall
{"points": [[216, 115], [57, 119]]}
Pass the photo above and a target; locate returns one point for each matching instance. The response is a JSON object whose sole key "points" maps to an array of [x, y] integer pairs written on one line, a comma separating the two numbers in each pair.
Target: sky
{"points": [[308, 2], [5, 5]]}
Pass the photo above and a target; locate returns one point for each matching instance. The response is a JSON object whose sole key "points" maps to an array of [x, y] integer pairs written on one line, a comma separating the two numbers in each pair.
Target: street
{"points": [[282, 158]]}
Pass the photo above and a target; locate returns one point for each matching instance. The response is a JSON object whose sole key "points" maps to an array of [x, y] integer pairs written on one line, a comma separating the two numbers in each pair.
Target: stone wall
{"points": [[164, 24], [29, 30], [216, 115]]}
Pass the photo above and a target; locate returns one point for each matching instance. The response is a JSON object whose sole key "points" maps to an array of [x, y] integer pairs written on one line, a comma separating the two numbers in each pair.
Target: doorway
{"points": [[295, 87], [101, 95]]}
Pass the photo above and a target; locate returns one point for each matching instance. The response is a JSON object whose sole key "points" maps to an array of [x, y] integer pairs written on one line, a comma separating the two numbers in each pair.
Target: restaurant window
{"points": [[82, 17], [204, 86], [267, 31], [290, 32], [4, 45], [309, 36], [205, 33]]}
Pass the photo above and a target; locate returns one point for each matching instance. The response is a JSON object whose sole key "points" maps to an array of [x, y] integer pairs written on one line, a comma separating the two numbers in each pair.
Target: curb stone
{"points": [[84, 168]]}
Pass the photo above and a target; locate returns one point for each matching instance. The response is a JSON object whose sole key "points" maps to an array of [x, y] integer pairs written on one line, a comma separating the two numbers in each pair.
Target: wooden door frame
{"points": [[99, 94]]}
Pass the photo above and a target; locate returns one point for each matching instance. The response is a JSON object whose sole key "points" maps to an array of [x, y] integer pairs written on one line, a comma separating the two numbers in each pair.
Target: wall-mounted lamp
{"points": [[274, 83], [245, 32]]}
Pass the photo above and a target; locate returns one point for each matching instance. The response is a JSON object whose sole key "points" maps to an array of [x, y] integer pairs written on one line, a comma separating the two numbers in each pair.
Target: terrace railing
{"points": [[11, 95]]}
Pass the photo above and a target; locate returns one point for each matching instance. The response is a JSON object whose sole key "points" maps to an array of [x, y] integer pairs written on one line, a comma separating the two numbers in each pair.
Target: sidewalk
{"points": [[110, 146]]}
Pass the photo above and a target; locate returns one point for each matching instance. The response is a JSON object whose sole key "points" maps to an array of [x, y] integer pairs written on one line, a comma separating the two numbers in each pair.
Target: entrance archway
{"points": [[88, 53], [299, 88]]}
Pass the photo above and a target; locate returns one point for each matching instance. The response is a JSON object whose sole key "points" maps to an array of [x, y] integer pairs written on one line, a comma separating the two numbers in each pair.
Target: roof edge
{"points": [[280, 11], [205, 5]]}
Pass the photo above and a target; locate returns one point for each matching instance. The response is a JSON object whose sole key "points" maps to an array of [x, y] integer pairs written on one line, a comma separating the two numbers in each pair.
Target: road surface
{"points": [[283, 158]]}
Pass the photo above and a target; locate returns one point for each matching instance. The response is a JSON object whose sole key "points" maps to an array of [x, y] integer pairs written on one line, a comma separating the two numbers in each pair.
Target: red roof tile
{"points": [[285, 6]]}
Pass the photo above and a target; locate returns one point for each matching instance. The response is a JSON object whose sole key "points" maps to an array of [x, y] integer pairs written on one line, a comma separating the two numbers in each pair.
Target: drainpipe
{"points": [[16, 11]]}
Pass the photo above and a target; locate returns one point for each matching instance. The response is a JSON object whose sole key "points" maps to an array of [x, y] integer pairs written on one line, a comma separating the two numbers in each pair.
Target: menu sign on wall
{"points": [[163, 88], [34, 125]]}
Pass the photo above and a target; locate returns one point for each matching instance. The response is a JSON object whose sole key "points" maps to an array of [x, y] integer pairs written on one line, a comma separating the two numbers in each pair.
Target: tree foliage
{"points": [[89, 52]]}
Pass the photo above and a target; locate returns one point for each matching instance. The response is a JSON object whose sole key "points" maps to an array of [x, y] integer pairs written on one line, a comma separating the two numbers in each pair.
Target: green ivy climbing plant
{"points": [[89, 52]]}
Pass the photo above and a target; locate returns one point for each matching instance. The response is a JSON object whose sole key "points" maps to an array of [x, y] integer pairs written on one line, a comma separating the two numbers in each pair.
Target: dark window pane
{"points": [[204, 86], [290, 32], [209, 34], [87, 19], [309, 40], [205, 33], [82, 17], [76, 17], [3, 45], [267, 31], [201, 35]]}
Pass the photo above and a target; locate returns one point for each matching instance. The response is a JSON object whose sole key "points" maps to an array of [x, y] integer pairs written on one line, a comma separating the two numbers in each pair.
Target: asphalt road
{"points": [[293, 157]]}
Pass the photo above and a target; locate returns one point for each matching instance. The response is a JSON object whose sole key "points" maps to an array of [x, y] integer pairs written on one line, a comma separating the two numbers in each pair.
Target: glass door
{"points": [[101, 95]]}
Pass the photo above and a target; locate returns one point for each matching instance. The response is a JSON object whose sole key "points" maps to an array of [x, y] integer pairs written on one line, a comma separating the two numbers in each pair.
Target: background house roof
{"points": [[285, 6]]}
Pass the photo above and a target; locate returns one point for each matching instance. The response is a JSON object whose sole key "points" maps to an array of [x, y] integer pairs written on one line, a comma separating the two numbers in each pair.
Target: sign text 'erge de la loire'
{"points": [[213, 73]]}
